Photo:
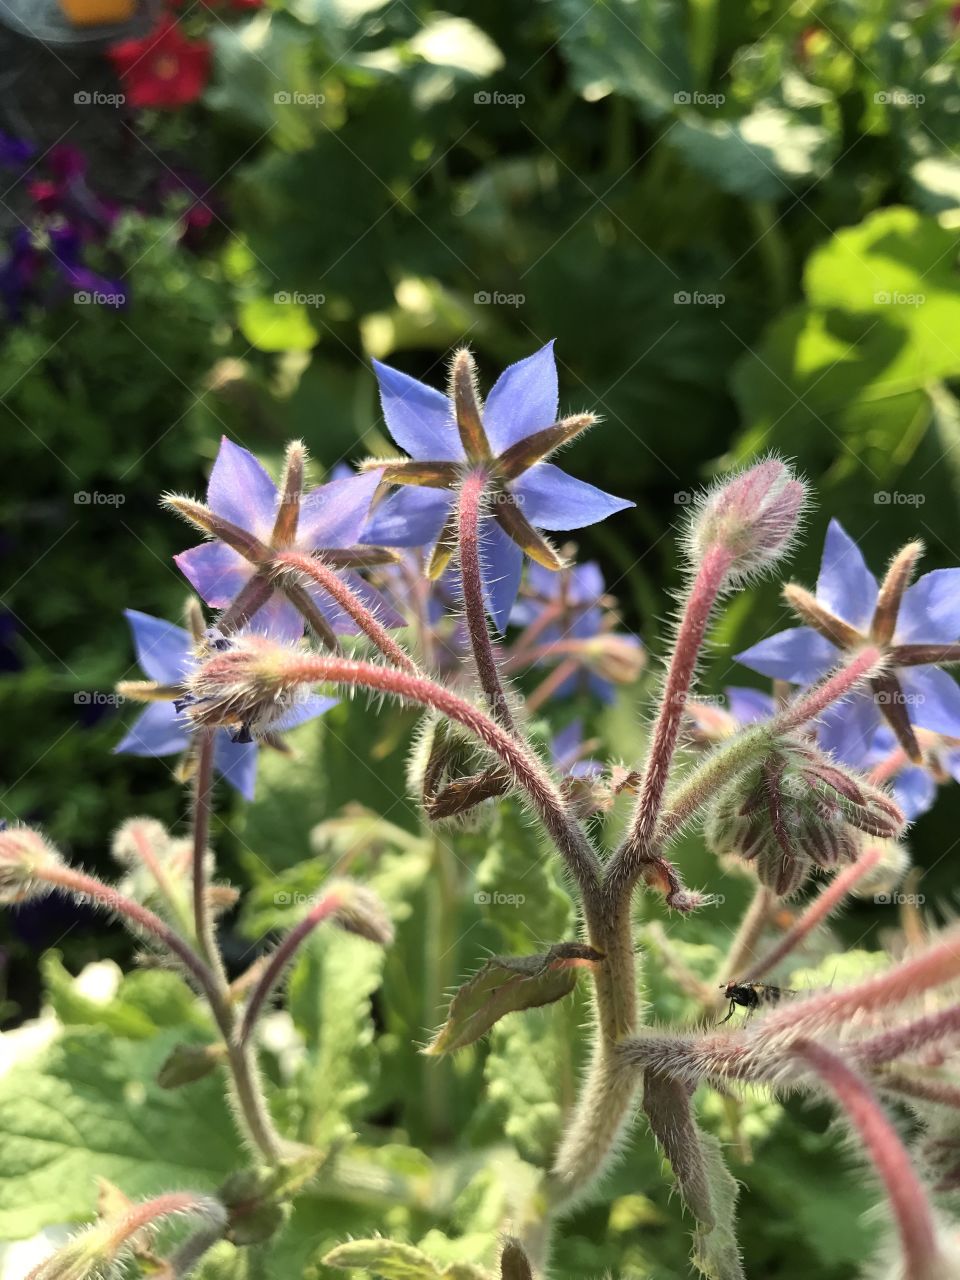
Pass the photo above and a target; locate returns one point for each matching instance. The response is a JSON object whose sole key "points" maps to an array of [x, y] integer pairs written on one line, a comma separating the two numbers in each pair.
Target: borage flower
{"points": [[169, 655], [917, 627], [509, 438], [252, 520], [568, 620], [163, 68]]}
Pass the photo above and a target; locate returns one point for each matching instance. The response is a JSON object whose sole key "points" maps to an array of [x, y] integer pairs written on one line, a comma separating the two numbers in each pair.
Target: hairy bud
{"points": [[246, 688], [754, 516], [617, 658], [796, 808], [24, 854]]}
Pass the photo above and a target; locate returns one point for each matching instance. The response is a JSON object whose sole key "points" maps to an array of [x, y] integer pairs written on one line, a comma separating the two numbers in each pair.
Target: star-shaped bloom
{"points": [[510, 438], [568, 619], [252, 520], [169, 654], [917, 627]]}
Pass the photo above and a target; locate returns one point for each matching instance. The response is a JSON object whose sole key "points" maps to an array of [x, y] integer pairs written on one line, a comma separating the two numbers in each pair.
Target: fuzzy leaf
{"points": [[387, 1258], [507, 984]]}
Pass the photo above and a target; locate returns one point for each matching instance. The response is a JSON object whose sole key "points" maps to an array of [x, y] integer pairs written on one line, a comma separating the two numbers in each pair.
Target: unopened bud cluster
{"points": [[246, 688], [797, 808], [754, 517]]}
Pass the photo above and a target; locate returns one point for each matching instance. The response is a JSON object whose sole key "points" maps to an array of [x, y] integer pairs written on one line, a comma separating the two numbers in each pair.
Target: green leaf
{"points": [[187, 1063], [459, 44], [387, 1258], [88, 1107], [519, 884], [145, 1000], [759, 156], [507, 984], [716, 1251], [277, 324]]}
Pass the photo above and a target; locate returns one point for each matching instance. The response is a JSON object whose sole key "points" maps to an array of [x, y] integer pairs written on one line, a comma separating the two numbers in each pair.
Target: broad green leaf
{"points": [[507, 984], [759, 157], [519, 883], [88, 1107], [387, 1258], [459, 44], [145, 1000], [716, 1251]]}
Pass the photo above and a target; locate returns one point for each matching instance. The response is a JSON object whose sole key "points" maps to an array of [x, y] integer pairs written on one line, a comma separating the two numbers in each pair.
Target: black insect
{"points": [[750, 995]]}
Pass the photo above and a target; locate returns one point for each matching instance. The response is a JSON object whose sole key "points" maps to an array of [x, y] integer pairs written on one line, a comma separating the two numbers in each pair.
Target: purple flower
{"points": [[567, 619], [326, 520], [167, 654], [570, 752], [510, 437], [14, 151], [917, 627]]}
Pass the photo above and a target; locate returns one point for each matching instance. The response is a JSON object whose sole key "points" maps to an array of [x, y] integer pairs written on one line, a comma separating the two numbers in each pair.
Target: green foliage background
{"points": [[598, 164]]}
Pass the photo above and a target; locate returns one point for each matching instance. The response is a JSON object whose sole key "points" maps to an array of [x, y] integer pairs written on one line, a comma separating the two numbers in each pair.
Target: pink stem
{"points": [[471, 499], [280, 959], [888, 1155], [350, 602], [522, 764], [711, 575], [842, 682], [909, 1038], [136, 916], [202, 810], [826, 902], [932, 968]]}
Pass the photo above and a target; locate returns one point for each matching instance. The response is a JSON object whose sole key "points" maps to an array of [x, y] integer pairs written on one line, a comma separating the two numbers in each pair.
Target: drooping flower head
{"points": [[169, 655], [251, 520], [917, 627], [510, 438]]}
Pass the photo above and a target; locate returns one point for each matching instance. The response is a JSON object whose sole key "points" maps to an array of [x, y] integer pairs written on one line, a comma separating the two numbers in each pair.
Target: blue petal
{"points": [[308, 709], [930, 612], [501, 567], [236, 762], [848, 729], [334, 514], [419, 418], [846, 586], [748, 706], [411, 517], [241, 491], [215, 571], [340, 620], [278, 619], [164, 651], [550, 499], [157, 732], [566, 743], [914, 791], [799, 654], [586, 583], [523, 400], [933, 699]]}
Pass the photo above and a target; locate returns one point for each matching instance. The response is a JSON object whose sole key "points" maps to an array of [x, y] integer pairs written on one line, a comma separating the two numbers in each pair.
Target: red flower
{"points": [[164, 69]]}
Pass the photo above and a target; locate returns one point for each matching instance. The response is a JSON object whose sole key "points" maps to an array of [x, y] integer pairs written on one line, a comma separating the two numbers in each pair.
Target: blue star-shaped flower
{"points": [[167, 654], [510, 436], [917, 627]]}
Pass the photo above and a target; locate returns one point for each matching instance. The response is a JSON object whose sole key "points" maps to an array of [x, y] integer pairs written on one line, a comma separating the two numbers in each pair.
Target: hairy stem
{"points": [[837, 685], [349, 601], [830, 897], [888, 1155], [627, 863], [280, 961], [202, 811], [471, 500]]}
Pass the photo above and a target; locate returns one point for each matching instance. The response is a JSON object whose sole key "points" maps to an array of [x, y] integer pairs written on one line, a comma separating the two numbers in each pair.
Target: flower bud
{"points": [[796, 808], [754, 516], [247, 688], [617, 658], [24, 853], [138, 837]]}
